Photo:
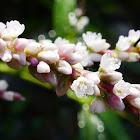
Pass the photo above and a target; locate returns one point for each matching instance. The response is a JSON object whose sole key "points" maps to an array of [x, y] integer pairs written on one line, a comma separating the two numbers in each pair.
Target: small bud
{"points": [[66, 50], [43, 67], [3, 85], [135, 102], [124, 56], [6, 56], [63, 85], [97, 105], [34, 61], [133, 57], [74, 58], [48, 56], [32, 48], [48, 46], [115, 102], [134, 93], [19, 97], [111, 77], [20, 43], [64, 67], [21, 58]]}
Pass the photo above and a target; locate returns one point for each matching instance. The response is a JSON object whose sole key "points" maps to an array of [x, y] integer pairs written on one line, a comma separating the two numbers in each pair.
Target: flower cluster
{"points": [[61, 64]]}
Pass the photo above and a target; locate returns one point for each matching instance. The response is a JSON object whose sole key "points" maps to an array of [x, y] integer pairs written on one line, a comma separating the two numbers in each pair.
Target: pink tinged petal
{"points": [[115, 102], [21, 58], [20, 43], [51, 78], [43, 67], [92, 76], [48, 45], [6, 37], [111, 77], [48, 56], [135, 102], [97, 106], [78, 66], [3, 85], [32, 48], [106, 86], [64, 67], [35, 74], [74, 59], [34, 61], [2, 44], [134, 93], [19, 97], [6, 56], [96, 91], [14, 65], [63, 85], [66, 50]]}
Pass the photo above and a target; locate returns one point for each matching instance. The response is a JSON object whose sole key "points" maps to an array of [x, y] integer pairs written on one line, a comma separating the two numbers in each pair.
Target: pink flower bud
{"points": [[6, 56], [35, 74], [97, 105], [19, 97], [63, 85], [74, 58], [43, 67], [66, 50], [48, 56], [32, 48], [64, 67], [134, 93], [3, 85], [34, 61], [20, 43], [51, 78], [106, 86], [115, 102], [2, 44]]}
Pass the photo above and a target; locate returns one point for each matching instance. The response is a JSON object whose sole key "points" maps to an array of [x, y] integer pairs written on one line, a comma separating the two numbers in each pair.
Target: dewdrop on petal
{"points": [[14, 28], [123, 43], [43, 67], [32, 48], [109, 63]]}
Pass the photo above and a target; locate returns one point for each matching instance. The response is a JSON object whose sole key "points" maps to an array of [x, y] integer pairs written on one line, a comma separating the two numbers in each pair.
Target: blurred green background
{"points": [[44, 116]]}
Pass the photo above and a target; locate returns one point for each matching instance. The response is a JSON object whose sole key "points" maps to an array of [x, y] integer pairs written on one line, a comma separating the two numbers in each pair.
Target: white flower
{"points": [[134, 35], [95, 41], [109, 63], [8, 95], [60, 41], [86, 57], [122, 89], [14, 28], [123, 43], [82, 87]]}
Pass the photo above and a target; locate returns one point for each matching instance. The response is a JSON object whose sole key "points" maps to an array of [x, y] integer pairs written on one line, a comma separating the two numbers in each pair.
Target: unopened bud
{"points": [[43, 67], [135, 102], [66, 50], [64, 67], [6, 55], [133, 57], [20, 43], [48, 46], [124, 56], [21, 58], [134, 93], [111, 77], [74, 58], [48, 56], [32, 48]]}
